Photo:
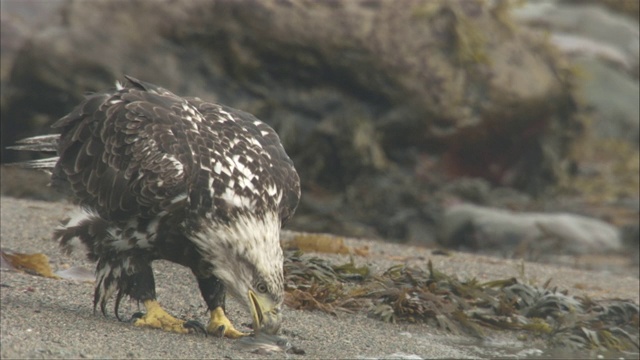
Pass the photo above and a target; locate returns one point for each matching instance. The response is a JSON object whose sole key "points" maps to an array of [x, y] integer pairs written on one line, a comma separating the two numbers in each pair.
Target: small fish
{"points": [[265, 344]]}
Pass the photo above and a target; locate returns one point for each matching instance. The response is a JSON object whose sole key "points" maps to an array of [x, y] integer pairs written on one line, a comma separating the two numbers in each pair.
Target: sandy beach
{"points": [[46, 318]]}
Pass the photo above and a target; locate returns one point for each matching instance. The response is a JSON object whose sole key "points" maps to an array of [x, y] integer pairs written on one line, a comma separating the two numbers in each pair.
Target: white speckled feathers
{"points": [[141, 151]]}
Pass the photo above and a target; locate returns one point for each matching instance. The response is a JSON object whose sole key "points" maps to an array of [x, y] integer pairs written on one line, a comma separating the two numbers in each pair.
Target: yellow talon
{"points": [[219, 322], [156, 317]]}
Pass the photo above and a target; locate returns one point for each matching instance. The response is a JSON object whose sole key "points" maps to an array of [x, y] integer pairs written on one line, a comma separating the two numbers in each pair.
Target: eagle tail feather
{"points": [[46, 143], [46, 164], [123, 275], [42, 143]]}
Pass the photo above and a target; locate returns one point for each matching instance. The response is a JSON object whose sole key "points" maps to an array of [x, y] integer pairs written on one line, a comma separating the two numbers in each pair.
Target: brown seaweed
{"points": [[411, 294]]}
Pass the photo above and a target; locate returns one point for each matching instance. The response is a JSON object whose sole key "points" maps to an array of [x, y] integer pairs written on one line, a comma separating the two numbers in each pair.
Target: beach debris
{"points": [[77, 273], [38, 264], [35, 264], [413, 294], [396, 356], [265, 344], [322, 243]]}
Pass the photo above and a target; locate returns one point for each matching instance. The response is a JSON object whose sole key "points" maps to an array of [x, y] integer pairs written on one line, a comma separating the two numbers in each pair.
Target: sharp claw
{"points": [[196, 326], [221, 330], [136, 316], [218, 332]]}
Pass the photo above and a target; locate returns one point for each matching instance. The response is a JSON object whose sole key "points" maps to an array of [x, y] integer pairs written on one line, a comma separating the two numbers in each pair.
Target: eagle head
{"points": [[245, 254]]}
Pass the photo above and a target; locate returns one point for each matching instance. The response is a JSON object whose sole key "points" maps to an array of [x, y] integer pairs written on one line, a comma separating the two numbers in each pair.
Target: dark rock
{"points": [[631, 240], [525, 234], [376, 101], [604, 47]]}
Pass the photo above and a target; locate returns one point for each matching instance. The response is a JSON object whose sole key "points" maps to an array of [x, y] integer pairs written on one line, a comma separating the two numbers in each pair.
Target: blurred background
{"points": [[504, 127]]}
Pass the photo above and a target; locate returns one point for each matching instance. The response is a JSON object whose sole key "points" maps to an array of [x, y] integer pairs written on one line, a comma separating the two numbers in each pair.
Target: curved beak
{"points": [[265, 313]]}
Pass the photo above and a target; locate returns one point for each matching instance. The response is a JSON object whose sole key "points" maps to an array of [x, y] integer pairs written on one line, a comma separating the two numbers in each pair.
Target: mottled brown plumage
{"points": [[158, 176]]}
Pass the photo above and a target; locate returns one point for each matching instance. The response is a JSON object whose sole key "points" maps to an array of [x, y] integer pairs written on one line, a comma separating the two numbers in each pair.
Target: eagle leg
{"points": [[125, 274], [220, 325], [130, 274], [213, 292], [156, 317], [190, 325]]}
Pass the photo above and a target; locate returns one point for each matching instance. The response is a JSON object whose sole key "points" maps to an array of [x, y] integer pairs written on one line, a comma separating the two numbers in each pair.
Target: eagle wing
{"points": [[246, 160], [143, 151]]}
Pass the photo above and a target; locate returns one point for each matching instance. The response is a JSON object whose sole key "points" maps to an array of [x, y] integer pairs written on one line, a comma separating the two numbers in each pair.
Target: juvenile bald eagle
{"points": [[158, 176]]}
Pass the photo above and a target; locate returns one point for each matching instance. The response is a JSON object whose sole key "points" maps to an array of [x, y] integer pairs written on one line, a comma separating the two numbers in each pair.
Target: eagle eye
{"points": [[261, 287]]}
